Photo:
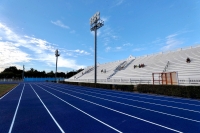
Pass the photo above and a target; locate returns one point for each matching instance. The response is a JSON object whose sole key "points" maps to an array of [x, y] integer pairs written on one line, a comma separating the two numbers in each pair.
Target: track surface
{"points": [[49, 107]]}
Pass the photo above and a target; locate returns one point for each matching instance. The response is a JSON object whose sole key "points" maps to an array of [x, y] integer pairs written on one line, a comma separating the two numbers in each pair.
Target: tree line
{"points": [[13, 72]]}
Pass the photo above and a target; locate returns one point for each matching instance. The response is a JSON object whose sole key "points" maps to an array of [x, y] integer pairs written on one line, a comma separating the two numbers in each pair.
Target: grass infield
{"points": [[4, 88]]}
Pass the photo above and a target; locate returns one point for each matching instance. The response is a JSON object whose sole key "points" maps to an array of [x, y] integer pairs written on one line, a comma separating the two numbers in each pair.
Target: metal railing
{"points": [[186, 81], [166, 67]]}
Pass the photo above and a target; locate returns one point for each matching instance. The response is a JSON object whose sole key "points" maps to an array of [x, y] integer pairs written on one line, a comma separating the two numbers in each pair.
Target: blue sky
{"points": [[31, 31]]}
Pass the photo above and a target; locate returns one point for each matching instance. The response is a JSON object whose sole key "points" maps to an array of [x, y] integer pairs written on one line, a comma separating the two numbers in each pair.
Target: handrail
{"points": [[166, 67], [119, 66], [187, 81]]}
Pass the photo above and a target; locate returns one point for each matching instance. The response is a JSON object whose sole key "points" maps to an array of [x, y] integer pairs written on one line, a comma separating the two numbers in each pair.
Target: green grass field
{"points": [[4, 88]]}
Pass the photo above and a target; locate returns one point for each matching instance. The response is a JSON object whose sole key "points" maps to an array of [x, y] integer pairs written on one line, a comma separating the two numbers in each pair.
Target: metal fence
{"points": [[33, 79], [37, 79], [186, 81]]}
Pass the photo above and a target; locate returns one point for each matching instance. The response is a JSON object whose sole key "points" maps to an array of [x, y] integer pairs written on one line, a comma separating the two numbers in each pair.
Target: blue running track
{"points": [[49, 107]]}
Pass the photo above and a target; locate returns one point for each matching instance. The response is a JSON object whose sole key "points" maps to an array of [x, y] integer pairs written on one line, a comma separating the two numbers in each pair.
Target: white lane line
{"points": [[140, 97], [170, 97], [120, 112], [130, 105], [13, 120], [48, 111], [82, 111], [8, 92], [146, 102], [145, 97], [166, 101], [155, 99]]}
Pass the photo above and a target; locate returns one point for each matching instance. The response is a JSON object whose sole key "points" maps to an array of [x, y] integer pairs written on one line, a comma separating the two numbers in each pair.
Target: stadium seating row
{"points": [[125, 71]]}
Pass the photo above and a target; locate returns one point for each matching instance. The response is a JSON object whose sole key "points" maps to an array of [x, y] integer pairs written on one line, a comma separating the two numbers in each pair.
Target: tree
{"points": [[61, 74], [11, 72], [51, 74]]}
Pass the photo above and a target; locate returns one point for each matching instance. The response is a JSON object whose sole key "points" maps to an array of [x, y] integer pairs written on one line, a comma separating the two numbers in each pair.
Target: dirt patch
{"points": [[4, 88]]}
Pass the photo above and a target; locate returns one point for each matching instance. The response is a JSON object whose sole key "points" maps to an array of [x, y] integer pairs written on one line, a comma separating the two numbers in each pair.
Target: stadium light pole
{"points": [[56, 54], [95, 23], [23, 73]]}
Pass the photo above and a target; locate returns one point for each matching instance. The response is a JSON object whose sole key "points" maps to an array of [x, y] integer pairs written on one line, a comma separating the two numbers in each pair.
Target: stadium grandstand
{"points": [[140, 70]]}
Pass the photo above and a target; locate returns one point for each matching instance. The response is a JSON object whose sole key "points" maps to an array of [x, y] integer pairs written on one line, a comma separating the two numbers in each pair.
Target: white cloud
{"points": [[107, 49], [11, 55], [171, 36], [76, 52], [137, 49], [7, 34], [108, 35], [114, 37], [107, 31], [81, 52], [106, 41], [62, 62], [72, 31], [113, 49], [16, 49], [158, 40], [59, 23], [117, 3], [92, 49], [171, 42], [34, 44], [127, 44], [105, 19], [98, 32], [118, 48]]}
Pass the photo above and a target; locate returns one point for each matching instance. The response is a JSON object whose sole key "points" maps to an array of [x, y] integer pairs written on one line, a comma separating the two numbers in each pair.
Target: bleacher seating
{"points": [[123, 71]]}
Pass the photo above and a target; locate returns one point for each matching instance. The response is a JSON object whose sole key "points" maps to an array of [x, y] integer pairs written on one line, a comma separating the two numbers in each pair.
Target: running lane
{"points": [[110, 113], [71, 118], [32, 116], [174, 122], [169, 101], [187, 111], [8, 106]]}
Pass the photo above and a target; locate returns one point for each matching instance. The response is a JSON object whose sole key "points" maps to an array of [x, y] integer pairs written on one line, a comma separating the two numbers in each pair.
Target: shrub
{"points": [[104, 86], [171, 90]]}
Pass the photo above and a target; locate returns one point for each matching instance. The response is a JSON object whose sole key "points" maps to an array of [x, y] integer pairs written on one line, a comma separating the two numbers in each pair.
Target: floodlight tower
{"points": [[23, 73], [56, 54], [95, 23]]}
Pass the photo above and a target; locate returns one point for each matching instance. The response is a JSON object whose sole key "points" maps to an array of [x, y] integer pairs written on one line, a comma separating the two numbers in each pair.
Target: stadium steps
{"points": [[154, 63]]}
